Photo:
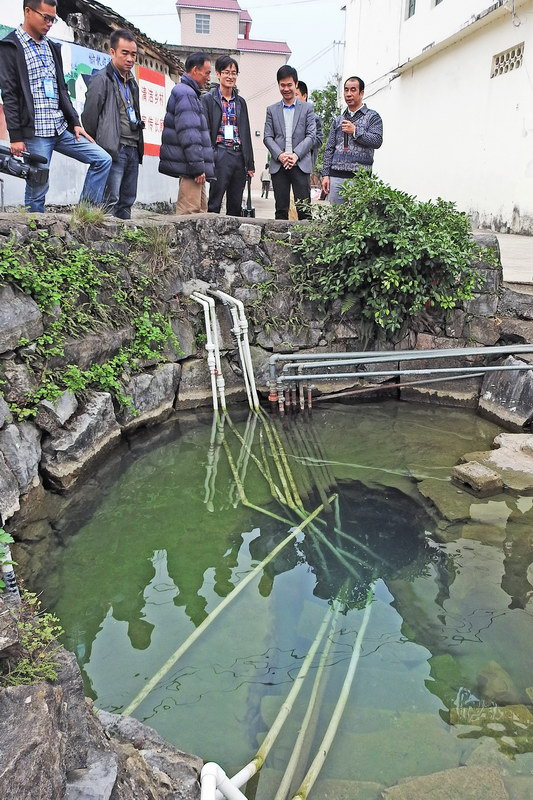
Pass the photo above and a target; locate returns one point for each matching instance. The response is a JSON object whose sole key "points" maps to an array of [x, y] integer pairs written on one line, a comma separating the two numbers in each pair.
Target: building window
{"points": [[507, 61], [411, 8], [202, 23], [437, 2]]}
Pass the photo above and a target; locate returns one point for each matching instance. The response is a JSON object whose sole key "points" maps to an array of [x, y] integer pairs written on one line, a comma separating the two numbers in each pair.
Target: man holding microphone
{"points": [[353, 137]]}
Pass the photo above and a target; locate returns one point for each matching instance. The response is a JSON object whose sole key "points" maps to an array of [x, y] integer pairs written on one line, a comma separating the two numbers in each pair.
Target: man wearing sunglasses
{"points": [[39, 114]]}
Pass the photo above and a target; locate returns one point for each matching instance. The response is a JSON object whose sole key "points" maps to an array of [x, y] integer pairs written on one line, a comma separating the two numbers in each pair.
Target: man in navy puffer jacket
{"points": [[186, 149]]}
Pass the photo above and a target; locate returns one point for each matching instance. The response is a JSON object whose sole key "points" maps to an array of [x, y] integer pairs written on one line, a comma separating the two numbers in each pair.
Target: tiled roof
{"points": [[245, 17], [111, 20], [214, 5], [258, 46]]}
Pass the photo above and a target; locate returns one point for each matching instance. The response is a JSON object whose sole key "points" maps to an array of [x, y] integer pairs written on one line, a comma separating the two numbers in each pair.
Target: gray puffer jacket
{"points": [[186, 149], [101, 114]]}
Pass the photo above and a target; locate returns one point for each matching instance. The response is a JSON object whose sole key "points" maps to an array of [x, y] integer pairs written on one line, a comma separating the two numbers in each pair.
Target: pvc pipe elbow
{"points": [[212, 777]]}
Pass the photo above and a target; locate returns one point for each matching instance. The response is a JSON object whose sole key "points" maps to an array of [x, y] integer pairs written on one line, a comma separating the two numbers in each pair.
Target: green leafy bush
{"points": [[386, 252], [79, 290], [36, 657]]}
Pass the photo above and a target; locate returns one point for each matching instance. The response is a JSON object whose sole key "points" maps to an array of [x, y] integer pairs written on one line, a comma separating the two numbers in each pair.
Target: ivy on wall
{"points": [[79, 289]]}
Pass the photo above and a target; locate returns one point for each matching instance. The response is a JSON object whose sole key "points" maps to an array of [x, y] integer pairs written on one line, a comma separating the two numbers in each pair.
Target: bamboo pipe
{"points": [[323, 750]]}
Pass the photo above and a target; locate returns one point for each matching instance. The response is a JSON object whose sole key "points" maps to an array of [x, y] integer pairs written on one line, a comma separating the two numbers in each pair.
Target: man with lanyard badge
{"points": [[112, 115], [229, 128], [39, 114]]}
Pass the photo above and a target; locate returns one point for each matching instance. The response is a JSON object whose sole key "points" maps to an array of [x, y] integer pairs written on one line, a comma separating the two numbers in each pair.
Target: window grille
{"points": [[507, 61], [202, 23]]}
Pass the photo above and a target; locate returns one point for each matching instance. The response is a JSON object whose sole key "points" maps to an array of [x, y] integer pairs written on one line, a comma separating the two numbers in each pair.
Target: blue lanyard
{"points": [[47, 64], [125, 89]]}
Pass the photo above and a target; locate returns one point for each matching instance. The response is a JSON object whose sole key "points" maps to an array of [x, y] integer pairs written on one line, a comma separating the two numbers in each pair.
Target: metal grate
{"points": [[507, 61]]}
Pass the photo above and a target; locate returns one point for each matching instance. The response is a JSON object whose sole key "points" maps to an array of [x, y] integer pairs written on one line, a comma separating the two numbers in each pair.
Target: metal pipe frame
{"points": [[378, 356], [393, 372]]}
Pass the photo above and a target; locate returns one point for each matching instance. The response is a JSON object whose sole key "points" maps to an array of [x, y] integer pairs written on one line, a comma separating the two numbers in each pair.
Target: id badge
{"points": [[131, 115], [48, 88], [228, 133]]}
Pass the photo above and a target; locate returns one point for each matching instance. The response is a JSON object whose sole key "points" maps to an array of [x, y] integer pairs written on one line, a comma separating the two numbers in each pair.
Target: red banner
{"points": [[153, 103]]}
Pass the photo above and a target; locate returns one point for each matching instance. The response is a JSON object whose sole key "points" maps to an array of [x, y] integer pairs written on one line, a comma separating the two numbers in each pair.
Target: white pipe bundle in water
{"points": [[219, 377], [246, 357]]}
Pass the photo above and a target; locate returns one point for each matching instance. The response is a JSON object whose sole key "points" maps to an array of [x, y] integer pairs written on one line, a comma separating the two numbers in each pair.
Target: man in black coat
{"points": [[112, 116], [39, 115], [186, 152], [229, 127]]}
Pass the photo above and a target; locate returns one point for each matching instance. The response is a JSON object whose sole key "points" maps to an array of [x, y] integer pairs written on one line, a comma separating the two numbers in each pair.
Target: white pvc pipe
{"points": [[245, 340], [236, 330], [213, 777], [209, 346], [214, 332]]}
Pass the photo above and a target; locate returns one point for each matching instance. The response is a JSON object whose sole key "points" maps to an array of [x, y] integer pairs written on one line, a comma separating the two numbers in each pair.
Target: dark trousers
{"points": [[121, 187], [230, 177], [282, 180], [265, 188]]}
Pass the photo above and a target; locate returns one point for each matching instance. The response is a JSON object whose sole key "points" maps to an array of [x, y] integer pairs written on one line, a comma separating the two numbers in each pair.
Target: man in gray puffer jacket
{"points": [[186, 149]]}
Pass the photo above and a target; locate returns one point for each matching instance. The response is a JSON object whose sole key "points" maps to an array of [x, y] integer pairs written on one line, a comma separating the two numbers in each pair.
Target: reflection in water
{"points": [[369, 533], [450, 630]]}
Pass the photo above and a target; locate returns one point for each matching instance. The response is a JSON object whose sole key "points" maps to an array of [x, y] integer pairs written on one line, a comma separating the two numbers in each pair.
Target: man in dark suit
{"points": [[229, 127], [290, 133]]}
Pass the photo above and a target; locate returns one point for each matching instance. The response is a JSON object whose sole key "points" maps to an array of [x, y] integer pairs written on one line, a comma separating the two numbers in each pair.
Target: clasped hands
{"points": [[288, 160]]}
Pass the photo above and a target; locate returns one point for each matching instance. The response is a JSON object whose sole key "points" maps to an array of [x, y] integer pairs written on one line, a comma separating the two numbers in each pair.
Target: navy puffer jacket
{"points": [[186, 149]]}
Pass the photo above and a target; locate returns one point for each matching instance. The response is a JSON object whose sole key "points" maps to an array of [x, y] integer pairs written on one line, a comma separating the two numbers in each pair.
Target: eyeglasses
{"points": [[46, 17], [229, 74]]}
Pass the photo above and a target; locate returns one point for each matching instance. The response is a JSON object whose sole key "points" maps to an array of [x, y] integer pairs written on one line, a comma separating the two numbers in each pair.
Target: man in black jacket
{"points": [[112, 116], [229, 126], [39, 115]]}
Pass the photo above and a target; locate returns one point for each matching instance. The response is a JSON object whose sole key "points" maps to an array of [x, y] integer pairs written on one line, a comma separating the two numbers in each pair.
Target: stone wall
{"points": [[54, 745], [250, 260]]}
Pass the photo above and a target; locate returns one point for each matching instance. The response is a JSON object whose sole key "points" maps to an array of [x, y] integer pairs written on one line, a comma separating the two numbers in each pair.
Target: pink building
{"points": [[222, 26]]}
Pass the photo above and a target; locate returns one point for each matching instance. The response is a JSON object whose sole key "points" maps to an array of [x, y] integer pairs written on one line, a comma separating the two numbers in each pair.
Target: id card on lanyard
{"points": [[49, 88], [126, 96]]}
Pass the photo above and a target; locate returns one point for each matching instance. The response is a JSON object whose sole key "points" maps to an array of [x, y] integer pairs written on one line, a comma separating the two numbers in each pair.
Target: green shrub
{"points": [[386, 252], [36, 659], [80, 290]]}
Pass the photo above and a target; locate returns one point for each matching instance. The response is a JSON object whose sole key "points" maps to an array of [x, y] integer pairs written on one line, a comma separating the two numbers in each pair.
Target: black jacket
{"points": [[186, 149], [16, 94], [101, 112], [213, 111]]}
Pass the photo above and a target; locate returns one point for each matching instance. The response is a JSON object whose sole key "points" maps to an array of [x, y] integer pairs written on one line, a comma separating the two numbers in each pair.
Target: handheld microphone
{"points": [[33, 158], [346, 141]]}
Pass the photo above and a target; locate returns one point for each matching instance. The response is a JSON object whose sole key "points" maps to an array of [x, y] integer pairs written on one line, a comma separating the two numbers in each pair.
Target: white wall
{"points": [[380, 37], [452, 131]]}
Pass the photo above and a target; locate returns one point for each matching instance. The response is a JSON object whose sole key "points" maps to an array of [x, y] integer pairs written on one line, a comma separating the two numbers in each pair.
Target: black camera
{"points": [[23, 166], [138, 125]]}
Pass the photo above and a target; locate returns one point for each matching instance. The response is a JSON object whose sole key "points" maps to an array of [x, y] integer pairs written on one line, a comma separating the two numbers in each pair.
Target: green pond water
{"points": [[444, 677]]}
